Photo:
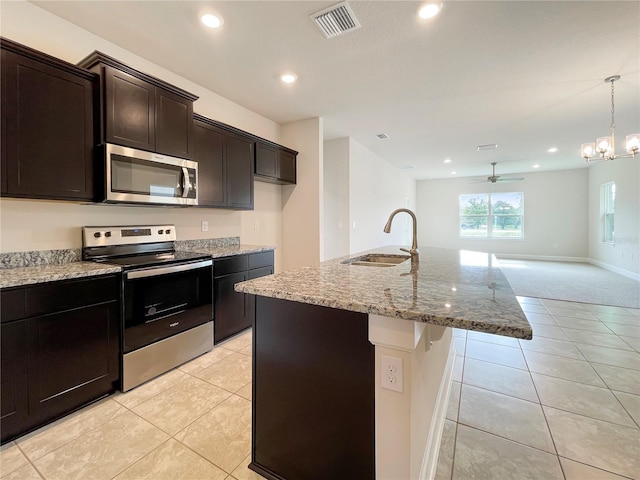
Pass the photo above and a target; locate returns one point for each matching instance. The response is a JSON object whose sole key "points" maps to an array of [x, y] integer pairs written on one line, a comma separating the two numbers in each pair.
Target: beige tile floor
{"points": [[564, 406]]}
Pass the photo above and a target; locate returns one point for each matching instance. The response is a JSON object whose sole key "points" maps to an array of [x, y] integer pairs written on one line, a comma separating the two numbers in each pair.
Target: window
{"points": [[492, 215], [607, 209]]}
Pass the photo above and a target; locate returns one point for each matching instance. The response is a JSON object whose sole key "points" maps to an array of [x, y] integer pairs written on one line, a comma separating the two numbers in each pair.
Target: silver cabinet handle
{"points": [[154, 272]]}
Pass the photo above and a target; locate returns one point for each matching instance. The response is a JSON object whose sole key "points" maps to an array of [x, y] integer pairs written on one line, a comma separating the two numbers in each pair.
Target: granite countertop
{"points": [[27, 268], [453, 288], [15, 277], [226, 250]]}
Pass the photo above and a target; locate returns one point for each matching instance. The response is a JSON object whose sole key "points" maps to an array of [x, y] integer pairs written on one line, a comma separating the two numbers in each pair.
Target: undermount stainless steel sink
{"points": [[378, 260]]}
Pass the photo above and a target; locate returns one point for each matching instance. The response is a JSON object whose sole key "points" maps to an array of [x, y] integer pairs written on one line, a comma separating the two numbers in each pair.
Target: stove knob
{"points": [[107, 234], [160, 232], [167, 231], [97, 234]]}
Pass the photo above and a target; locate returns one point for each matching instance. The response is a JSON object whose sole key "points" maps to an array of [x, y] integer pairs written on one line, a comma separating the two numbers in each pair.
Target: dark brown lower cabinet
{"points": [[235, 311], [313, 393], [14, 407], [59, 348]]}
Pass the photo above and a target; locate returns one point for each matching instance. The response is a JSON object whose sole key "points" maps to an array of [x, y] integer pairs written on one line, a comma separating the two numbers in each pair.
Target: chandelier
{"points": [[604, 147]]}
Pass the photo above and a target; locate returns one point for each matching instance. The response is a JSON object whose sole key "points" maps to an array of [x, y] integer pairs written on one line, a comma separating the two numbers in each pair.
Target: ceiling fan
{"points": [[497, 178]]}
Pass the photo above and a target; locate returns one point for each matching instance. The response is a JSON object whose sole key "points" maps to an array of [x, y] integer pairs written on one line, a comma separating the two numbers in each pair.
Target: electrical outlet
{"points": [[391, 373], [204, 226], [256, 225]]}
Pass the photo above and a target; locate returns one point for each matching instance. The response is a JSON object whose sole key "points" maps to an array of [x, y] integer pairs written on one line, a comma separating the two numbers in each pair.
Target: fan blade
{"points": [[509, 179]]}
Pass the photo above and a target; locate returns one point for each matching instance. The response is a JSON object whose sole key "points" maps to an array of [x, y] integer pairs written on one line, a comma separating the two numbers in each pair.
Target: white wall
{"points": [[360, 191], [40, 225], [336, 198], [625, 253], [376, 188], [302, 205], [555, 214]]}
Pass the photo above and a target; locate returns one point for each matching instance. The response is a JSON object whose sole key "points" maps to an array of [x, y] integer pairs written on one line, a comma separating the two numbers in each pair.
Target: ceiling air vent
{"points": [[382, 136], [336, 20]]}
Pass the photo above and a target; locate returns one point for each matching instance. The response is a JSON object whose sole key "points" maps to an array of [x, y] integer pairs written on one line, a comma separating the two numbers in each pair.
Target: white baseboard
{"points": [[618, 270], [546, 258], [432, 447]]}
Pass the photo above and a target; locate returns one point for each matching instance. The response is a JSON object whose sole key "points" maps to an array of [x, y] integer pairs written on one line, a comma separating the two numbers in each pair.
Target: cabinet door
{"points": [[287, 167], [174, 124], [47, 130], [232, 313], [266, 161], [239, 159], [130, 110], [209, 153], [14, 389], [73, 359]]}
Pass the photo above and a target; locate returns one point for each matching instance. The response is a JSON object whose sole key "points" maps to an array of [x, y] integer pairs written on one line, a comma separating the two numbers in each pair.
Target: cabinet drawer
{"points": [[262, 259], [227, 265], [65, 295]]}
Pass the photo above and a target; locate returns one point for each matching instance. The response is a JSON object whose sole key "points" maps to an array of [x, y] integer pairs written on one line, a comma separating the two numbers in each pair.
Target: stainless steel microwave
{"points": [[137, 176]]}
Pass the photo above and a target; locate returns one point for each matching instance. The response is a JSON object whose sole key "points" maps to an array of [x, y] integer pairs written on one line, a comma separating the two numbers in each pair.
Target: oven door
{"points": [[136, 176], [160, 302]]}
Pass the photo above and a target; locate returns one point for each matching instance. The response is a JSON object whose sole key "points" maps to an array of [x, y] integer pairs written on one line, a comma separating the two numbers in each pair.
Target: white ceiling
{"points": [[525, 75]]}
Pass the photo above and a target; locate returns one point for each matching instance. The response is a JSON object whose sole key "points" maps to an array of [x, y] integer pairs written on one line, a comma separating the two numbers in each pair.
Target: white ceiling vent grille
{"points": [[336, 20]]}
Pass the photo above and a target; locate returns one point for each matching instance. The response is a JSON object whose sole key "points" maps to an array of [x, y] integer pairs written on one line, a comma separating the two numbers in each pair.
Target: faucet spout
{"points": [[414, 245]]}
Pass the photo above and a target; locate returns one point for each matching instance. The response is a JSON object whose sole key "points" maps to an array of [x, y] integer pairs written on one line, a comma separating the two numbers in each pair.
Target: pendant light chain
{"points": [[613, 123]]}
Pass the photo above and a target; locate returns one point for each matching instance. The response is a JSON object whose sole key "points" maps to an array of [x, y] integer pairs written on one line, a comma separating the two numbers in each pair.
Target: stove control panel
{"points": [[127, 235]]}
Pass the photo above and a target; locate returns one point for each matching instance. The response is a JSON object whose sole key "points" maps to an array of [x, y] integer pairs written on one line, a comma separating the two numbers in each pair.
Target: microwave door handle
{"points": [[186, 187]]}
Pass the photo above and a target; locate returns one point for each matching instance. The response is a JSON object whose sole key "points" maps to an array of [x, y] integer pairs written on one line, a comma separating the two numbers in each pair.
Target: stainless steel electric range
{"points": [[166, 297]]}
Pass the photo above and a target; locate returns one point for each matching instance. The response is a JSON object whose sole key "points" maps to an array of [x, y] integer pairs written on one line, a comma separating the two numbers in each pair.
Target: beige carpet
{"points": [[575, 282]]}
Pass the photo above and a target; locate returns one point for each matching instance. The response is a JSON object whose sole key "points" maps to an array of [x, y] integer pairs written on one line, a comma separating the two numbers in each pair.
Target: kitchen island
{"points": [[352, 362]]}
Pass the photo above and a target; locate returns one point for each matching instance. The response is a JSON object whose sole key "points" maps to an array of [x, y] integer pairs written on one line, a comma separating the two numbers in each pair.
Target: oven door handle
{"points": [[154, 272]]}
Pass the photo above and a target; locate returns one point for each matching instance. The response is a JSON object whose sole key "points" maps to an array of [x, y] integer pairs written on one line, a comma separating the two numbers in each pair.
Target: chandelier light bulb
{"points": [[604, 145], [588, 150], [633, 143]]}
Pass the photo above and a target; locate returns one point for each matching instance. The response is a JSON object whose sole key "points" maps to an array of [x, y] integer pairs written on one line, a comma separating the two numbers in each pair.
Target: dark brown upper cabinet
{"points": [[275, 164], [225, 165], [48, 129], [142, 111]]}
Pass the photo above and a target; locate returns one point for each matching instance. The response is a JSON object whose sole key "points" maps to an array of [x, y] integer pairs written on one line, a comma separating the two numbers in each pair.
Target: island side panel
{"points": [[313, 392]]}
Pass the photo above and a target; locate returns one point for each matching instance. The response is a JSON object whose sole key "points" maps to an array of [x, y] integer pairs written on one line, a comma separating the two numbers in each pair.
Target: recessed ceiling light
{"points": [[448, 160], [553, 150], [211, 21], [289, 77], [429, 10], [536, 166], [453, 173]]}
